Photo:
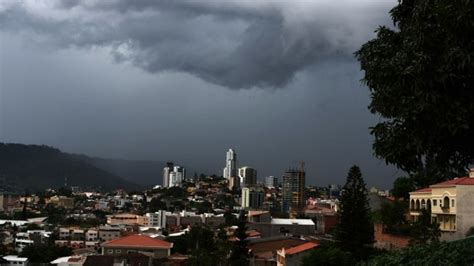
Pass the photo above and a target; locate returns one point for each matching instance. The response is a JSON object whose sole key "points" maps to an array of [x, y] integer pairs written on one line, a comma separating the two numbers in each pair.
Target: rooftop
{"points": [[300, 248], [292, 221], [140, 241], [456, 181]]}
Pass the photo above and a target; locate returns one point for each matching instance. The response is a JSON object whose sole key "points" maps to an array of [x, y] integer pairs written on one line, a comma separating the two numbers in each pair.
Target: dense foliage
{"points": [[402, 186], [459, 252], [355, 230], [44, 253], [393, 217], [329, 256], [420, 75], [203, 247], [424, 230]]}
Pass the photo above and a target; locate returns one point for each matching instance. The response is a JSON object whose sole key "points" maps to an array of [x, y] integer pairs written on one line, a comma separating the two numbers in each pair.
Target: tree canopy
{"points": [[355, 230], [420, 76]]}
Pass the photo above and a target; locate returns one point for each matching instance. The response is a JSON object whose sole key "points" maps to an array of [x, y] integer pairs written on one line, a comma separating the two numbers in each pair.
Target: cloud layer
{"points": [[236, 44]]}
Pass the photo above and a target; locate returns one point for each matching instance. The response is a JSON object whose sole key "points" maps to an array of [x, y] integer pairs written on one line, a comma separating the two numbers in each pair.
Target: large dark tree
{"points": [[420, 75], [239, 255], [402, 187], [355, 230], [425, 230]]}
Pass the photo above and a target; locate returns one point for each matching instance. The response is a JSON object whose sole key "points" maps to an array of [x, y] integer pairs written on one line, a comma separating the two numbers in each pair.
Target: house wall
{"points": [[464, 213], [155, 253]]}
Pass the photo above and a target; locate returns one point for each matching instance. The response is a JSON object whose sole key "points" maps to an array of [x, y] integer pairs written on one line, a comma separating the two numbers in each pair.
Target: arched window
{"points": [[428, 204], [423, 204], [446, 202], [417, 205], [412, 205]]}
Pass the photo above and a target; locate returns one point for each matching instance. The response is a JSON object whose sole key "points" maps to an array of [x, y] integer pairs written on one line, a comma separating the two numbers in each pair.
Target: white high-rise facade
{"points": [[173, 175], [230, 169], [176, 176]]}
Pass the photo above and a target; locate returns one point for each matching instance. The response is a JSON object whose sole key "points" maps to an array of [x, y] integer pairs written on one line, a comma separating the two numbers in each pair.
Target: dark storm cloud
{"points": [[236, 44]]}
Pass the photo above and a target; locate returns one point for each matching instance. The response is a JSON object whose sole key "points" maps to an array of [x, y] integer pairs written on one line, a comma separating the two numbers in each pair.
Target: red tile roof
{"points": [[456, 181], [140, 241], [300, 248]]}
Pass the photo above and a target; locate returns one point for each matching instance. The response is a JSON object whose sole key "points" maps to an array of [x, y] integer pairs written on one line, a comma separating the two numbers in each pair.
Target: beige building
{"points": [[126, 219], [451, 204]]}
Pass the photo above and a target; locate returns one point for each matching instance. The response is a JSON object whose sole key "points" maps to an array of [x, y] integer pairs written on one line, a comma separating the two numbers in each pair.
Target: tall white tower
{"points": [[230, 169]]}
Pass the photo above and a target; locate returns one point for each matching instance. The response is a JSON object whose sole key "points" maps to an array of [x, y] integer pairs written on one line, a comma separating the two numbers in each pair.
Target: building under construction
{"points": [[293, 190]]}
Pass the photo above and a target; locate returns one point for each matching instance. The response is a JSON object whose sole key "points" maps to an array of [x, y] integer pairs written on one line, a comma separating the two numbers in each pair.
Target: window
{"points": [[435, 202], [110, 251], [118, 251], [452, 203]]}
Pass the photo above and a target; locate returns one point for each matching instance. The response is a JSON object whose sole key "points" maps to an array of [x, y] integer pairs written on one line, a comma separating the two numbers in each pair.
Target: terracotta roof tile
{"points": [[300, 248], [456, 181], [138, 241]]}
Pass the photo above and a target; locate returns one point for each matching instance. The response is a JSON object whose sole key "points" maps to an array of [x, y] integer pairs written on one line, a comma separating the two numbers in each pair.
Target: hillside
{"points": [[140, 172], [37, 167]]}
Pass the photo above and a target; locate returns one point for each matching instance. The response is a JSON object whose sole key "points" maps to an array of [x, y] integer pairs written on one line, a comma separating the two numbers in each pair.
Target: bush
{"points": [[459, 252]]}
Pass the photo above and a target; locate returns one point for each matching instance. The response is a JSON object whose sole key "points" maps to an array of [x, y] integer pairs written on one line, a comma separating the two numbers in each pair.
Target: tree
{"points": [[44, 253], [421, 75], [355, 230], [329, 256], [402, 187], [156, 205], [424, 230], [393, 217], [203, 247], [240, 254]]}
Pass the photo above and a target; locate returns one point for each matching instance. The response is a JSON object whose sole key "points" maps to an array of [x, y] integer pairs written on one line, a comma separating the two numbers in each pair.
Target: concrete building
{"points": [[252, 198], [451, 204], [293, 190], [278, 227], [166, 173], [247, 176], [271, 182], [230, 169], [14, 260], [177, 176], [126, 219], [157, 219], [142, 244], [107, 233]]}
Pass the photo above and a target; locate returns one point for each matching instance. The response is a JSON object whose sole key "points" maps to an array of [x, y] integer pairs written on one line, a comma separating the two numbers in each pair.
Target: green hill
{"points": [[37, 167]]}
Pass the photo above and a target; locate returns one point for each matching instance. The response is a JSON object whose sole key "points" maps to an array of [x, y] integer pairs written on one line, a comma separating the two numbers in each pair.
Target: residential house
{"points": [[152, 247], [450, 203]]}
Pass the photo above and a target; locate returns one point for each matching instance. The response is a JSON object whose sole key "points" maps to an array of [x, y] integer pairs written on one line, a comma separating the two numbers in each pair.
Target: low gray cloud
{"points": [[235, 44]]}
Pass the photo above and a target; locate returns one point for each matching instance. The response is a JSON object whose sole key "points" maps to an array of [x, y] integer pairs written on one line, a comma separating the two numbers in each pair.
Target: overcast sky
{"points": [[186, 80]]}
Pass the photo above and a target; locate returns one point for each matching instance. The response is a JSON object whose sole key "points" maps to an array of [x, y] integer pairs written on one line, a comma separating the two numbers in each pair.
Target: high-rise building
{"points": [[177, 176], [271, 181], [230, 169], [166, 173], [293, 186], [248, 176], [252, 198], [173, 175]]}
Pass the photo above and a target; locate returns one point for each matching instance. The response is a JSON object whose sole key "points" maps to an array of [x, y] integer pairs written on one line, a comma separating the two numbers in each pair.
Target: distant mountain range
{"points": [[147, 173], [36, 167]]}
